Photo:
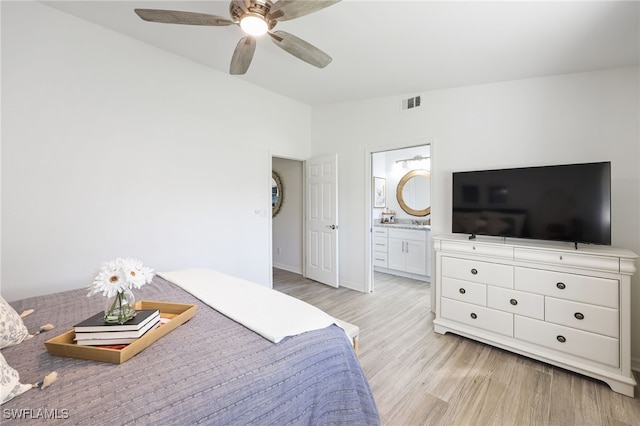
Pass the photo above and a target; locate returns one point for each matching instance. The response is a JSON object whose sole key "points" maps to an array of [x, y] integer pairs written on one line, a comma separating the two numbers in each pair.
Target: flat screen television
{"points": [[570, 202]]}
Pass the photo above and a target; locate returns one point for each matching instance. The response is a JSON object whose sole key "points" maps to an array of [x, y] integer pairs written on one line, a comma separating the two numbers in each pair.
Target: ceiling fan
{"points": [[255, 17]]}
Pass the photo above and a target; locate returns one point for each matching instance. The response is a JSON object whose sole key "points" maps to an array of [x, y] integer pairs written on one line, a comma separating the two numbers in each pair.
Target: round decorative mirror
{"points": [[276, 193], [414, 192]]}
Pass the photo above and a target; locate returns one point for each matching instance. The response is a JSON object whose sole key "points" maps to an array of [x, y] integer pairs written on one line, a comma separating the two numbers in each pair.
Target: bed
{"points": [[210, 370]]}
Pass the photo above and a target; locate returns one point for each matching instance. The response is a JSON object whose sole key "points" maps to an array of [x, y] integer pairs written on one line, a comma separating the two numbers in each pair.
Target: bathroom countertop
{"points": [[403, 226]]}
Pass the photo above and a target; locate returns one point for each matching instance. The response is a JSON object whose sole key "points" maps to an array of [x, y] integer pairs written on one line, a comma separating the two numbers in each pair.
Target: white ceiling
{"points": [[388, 48]]}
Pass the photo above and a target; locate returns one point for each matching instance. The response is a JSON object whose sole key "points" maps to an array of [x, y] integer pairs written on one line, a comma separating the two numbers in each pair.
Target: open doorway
{"points": [[401, 215], [287, 223], [304, 229]]}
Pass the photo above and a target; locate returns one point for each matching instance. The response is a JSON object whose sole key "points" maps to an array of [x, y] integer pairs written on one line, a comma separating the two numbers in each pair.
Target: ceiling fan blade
{"points": [[284, 10], [300, 49], [186, 18], [243, 55]]}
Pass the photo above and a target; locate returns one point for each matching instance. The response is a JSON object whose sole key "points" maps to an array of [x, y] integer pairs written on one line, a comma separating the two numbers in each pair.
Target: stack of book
{"points": [[94, 331]]}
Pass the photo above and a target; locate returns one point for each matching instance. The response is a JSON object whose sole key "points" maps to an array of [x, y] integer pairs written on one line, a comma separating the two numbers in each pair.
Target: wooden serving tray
{"points": [[64, 345]]}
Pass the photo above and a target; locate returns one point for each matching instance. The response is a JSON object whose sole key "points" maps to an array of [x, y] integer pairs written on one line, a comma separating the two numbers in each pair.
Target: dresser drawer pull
{"points": [[514, 302], [474, 271], [561, 339], [462, 291], [474, 316], [579, 315], [561, 286]]}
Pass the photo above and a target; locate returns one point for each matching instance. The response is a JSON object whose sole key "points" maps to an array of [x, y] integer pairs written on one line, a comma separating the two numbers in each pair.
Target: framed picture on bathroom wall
{"points": [[379, 192]]}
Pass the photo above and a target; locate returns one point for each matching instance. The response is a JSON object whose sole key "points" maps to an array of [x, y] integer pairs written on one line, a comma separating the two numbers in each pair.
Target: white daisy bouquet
{"points": [[115, 279]]}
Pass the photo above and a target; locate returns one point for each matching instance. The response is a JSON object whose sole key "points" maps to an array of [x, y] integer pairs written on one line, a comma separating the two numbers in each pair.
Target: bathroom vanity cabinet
{"points": [[402, 250]]}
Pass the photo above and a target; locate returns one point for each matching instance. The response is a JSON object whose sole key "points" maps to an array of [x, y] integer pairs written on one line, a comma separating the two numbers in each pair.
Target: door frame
{"points": [[303, 210], [368, 219]]}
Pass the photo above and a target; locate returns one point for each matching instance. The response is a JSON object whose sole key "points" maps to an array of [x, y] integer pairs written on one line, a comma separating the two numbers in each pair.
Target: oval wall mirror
{"points": [[414, 192], [276, 193]]}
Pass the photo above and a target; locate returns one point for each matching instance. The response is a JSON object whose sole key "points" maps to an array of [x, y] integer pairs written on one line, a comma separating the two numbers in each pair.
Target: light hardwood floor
{"points": [[419, 377]]}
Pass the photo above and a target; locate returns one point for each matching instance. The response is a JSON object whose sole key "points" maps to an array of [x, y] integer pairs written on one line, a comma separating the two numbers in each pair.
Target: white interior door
{"points": [[321, 220]]}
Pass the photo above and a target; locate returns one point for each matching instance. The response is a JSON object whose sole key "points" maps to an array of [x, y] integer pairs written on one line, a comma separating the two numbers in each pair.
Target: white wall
{"points": [[561, 119], [111, 147], [288, 223]]}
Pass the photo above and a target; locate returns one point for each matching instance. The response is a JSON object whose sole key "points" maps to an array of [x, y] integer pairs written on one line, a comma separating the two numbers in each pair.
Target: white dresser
{"points": [[548, 301], [402, 251]]}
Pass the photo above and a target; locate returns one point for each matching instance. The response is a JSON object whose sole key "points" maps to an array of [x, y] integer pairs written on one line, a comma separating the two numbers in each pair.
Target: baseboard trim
{"points": [[294, 269], [417, 277]]}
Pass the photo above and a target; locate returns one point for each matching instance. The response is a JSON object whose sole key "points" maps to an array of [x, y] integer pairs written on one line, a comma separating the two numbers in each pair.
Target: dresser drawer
{"points": [[477, 316], [380, 259], [596, 319], [580, 343], [379, 231], [579, 260], [478, 249], [464, 291], [478, 271], [516, 302], [580, 288], [380, 244]]}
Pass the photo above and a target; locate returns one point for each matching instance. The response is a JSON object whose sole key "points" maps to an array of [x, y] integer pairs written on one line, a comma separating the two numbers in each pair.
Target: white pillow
{"points": [[10, 385], [12, 329]]}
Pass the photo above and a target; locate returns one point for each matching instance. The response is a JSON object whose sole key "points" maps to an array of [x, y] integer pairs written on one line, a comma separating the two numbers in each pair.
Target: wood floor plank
{"points": [[480, 393], [561, 397], [419, 377]]}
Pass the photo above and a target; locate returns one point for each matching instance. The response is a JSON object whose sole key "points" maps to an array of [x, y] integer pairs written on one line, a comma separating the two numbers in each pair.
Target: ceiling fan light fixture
{"points": [[253, 24], [255, 18]]}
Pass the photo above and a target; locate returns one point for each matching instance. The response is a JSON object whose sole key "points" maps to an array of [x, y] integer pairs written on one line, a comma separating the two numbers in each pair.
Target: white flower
{"points": [[118, 275], [135, 274]]}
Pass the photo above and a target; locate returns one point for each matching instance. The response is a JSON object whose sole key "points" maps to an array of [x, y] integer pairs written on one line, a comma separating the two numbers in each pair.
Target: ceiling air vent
{"points": [[411, 103]]}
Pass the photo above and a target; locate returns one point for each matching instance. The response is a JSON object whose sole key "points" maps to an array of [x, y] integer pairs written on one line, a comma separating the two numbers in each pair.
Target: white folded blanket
{"points": [[268, 312]]}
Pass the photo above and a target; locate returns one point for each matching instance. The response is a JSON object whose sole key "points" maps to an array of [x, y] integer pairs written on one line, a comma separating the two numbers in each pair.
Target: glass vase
{"points": [[120, 308]]}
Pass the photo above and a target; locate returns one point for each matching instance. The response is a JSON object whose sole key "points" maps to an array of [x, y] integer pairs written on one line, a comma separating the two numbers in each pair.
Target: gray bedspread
{"points": [[210, 370]]}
